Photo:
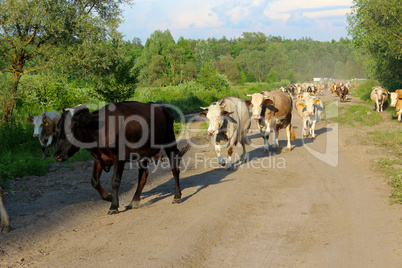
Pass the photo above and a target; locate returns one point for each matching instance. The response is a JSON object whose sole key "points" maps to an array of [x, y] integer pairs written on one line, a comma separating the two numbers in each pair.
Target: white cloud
{"points": [[327, 13]]}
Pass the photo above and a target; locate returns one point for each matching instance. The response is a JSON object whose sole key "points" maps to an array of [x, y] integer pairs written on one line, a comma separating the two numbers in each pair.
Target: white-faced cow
{"points": [[272, 110], [115, 134], [44, 129], [396, 101], [379, 96], [309, 108], [229, 120], [5, 220]]}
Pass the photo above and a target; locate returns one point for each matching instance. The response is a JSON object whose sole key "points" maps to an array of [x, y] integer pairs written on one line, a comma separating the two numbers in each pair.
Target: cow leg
{"points": [[44, 153], [142, 180], [288, 127], [275, 143], [96, 172], [244, 157], [174, 160], [229, 160], [312, 129], [266, 142], [218, 153], [116, 180], [305, 127], [400, 116], [5, 220]]}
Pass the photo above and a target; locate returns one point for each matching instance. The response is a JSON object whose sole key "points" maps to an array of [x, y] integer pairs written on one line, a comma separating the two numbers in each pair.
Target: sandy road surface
{"points": [[286, 209]]}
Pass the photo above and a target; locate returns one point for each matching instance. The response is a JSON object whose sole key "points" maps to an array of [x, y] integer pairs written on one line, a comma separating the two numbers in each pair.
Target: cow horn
{"points": [[204, 108], [222, 105], [249, 95], [30, 115]]}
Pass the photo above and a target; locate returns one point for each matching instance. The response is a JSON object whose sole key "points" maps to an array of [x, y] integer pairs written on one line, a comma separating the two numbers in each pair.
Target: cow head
{"points": [[309, 105], [39, 122], [216, 116], [69, 132], [259, 103], [395, 96]]}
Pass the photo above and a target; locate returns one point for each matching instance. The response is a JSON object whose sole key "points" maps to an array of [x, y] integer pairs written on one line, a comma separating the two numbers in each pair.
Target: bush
{"points": [[212, 80]]}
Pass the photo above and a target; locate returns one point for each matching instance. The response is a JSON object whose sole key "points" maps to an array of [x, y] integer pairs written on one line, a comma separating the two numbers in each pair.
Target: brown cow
{"points": [[5, 220], [273, 109], [118, 133]]}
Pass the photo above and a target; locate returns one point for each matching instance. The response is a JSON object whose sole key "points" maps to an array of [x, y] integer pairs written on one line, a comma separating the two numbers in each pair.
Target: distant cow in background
{"points": [[229, 120], [379, 96], [44, 129], [273, 109], [5, 220], [396, 101]]}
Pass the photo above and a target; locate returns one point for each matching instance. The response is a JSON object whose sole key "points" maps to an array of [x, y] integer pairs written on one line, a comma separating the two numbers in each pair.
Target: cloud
{"points": [[242, 14]]}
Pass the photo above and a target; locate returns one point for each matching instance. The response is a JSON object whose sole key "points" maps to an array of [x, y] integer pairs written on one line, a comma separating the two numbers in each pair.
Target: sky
{"points": [[321, 20]]}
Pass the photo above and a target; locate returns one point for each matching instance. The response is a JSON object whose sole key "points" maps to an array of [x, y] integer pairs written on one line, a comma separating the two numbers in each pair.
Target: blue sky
{"points": [[321, 20]]}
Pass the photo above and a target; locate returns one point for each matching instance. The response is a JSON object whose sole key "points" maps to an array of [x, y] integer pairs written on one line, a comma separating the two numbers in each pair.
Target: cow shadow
{"points": [[201, 181]]}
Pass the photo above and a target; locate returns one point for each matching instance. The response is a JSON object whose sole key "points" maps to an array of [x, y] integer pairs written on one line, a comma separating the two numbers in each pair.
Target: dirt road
{"points": [[316, 206]]}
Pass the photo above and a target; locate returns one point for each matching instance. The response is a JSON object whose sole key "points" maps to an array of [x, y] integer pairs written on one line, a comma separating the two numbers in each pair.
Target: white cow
{"points": [[396, 101], [229, 120], [310, 109], [44, 129]]}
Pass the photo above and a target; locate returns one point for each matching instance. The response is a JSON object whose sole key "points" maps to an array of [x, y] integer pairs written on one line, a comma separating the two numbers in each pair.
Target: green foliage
{"points": [[364, 90], [376, 30], [273, 76], [203, 54], [212, 80]]}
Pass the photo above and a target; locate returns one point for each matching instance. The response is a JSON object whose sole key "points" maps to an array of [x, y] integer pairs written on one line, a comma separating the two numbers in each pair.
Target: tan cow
{"points": [[379, 95], [273, 110], [396, 101], [5, 220]]}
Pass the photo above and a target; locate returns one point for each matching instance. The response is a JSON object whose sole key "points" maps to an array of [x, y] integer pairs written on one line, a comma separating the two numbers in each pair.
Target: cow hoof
{"points": [[313, 138], [176, 201], [113, 212], [288, 149], [222, 163], [133, 205]]}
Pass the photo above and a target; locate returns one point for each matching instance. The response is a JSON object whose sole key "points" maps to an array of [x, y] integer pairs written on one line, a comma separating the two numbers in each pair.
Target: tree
{"points": [[202, 54], [376, 28], [34, 34], [212, 80]]}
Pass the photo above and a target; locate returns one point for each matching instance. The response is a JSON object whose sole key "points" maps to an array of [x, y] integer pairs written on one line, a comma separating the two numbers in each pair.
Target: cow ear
{"points": [[46, 121], [248, 103], [84, 119], [203, 114], [301, 105], [225, 113], [268, 102], [30, 118], [317, 101]]}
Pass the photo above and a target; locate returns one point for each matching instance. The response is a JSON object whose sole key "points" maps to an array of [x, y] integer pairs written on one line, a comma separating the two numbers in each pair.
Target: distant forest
{"points": [[254, 57]]}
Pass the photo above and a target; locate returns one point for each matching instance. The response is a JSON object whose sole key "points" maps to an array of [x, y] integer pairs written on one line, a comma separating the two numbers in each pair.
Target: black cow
{"points": [[113, 135]]}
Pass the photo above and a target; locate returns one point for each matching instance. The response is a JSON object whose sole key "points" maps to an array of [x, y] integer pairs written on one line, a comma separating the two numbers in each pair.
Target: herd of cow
{"points": [[114, 132]]}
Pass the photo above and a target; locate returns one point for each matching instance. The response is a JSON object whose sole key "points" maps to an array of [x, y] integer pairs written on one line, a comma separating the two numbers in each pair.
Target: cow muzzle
{"points": [[211, 132], [256, 116], [36, 135]]}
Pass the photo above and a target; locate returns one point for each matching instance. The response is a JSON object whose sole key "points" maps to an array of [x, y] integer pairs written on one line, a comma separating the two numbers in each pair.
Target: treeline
{"points": [[254, 57]]}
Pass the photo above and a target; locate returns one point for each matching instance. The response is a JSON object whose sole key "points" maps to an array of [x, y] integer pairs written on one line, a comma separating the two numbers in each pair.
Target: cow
{"points": [[44, 129], [229, 120], [379, 96], [118, 133], [310, 109], [5, 219], [396, 101], [342, 91], [272, 110]]}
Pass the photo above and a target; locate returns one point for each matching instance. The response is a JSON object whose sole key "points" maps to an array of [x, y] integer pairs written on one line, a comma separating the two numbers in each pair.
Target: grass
{"points": [[357, 115], [392, 164]]}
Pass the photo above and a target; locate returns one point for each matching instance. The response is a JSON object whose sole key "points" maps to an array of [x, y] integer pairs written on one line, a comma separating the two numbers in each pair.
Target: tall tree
{"points": [[32, 32], [376, 28]]}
